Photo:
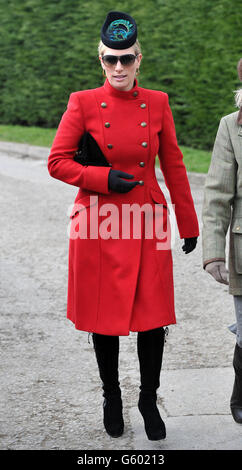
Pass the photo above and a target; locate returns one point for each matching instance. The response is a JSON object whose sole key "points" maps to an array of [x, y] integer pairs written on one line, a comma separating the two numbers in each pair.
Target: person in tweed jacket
{"points": [[222, 210]]}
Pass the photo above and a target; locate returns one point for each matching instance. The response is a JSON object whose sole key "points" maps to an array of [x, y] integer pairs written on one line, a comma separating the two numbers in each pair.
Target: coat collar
{"points": [[127, 95]]}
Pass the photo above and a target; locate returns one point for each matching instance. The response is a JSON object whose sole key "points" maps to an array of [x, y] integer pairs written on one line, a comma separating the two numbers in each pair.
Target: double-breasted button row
{"points": [[107, 125], [143, 124], [143, 105], [144, 144]]}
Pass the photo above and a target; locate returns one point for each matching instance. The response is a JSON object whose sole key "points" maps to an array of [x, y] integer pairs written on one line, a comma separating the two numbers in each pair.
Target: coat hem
{"points": [[127, 333]]}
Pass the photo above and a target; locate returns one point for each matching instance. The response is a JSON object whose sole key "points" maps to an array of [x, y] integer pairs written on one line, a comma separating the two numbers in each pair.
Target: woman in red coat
{"points": [[120, 268]]}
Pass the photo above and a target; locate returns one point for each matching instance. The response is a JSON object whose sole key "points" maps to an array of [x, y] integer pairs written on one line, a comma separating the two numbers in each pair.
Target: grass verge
{"points": [[195, 160]]}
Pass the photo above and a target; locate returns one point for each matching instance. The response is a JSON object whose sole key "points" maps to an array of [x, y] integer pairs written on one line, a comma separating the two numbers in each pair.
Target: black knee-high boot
{"points": [[150, 345], [236, 398], [107, 352]]}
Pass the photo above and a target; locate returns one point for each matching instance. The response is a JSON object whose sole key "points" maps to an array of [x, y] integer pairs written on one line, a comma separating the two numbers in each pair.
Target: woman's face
{"points": [[121, 76]]}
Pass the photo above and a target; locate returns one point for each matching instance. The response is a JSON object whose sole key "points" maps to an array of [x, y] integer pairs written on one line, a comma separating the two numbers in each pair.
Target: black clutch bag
{"points": [[89, 152]]}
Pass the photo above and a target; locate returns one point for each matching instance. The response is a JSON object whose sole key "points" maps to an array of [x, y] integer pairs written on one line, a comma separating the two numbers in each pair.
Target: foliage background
{"points": [[190, 49]]}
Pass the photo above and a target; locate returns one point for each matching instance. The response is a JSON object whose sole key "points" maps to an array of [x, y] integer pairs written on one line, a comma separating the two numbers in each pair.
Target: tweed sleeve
{"points": [[219, 193]]}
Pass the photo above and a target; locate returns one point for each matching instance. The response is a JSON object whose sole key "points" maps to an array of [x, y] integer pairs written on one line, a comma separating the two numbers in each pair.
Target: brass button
{"points": [[144, 144], [135, 93], [143, 124], [237, 228], [107, 124], [110, 146], [141, 163], [141, 182], [103, 104], [143, 105]]}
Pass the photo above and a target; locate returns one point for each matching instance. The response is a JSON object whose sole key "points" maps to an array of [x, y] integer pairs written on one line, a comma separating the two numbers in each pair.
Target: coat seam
{"points": [[99, 240], [82, 113], [137, 276], [100, 116], [99, 282], [162, 282]]}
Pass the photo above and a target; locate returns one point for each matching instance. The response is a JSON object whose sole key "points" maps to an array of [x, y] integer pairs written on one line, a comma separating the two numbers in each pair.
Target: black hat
{"points": [[119, 30]]}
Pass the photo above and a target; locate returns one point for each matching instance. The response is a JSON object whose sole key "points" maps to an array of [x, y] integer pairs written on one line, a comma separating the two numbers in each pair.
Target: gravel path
{"points": [[50, 388]]}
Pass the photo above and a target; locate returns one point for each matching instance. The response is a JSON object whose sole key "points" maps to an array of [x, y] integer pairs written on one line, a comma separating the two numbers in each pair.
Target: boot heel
{"points": [[154, 424], [112, 416]]}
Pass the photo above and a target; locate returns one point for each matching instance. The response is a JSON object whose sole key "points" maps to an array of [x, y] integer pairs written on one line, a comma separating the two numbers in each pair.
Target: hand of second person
{"points": [[118, 184], [218, 270], [190, 244]]}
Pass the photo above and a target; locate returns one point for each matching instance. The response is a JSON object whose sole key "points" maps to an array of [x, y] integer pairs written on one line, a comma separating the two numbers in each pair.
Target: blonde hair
{"points": [[238, 98], [102, 47]]}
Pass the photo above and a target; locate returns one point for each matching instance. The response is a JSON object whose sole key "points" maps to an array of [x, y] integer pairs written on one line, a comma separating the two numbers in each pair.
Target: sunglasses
{"points": [[126, 59]]}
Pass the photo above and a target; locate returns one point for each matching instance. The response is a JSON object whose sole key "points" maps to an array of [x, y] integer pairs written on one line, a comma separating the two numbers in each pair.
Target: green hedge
{"points": [[190, 50]]}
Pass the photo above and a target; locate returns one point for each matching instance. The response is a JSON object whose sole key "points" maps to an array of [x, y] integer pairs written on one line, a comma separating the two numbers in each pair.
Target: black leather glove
{"points": [[116, 182], [190, 244]]}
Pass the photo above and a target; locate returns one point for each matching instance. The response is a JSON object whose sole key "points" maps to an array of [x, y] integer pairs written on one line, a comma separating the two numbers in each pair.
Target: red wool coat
{"points": [[118, 284]]}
